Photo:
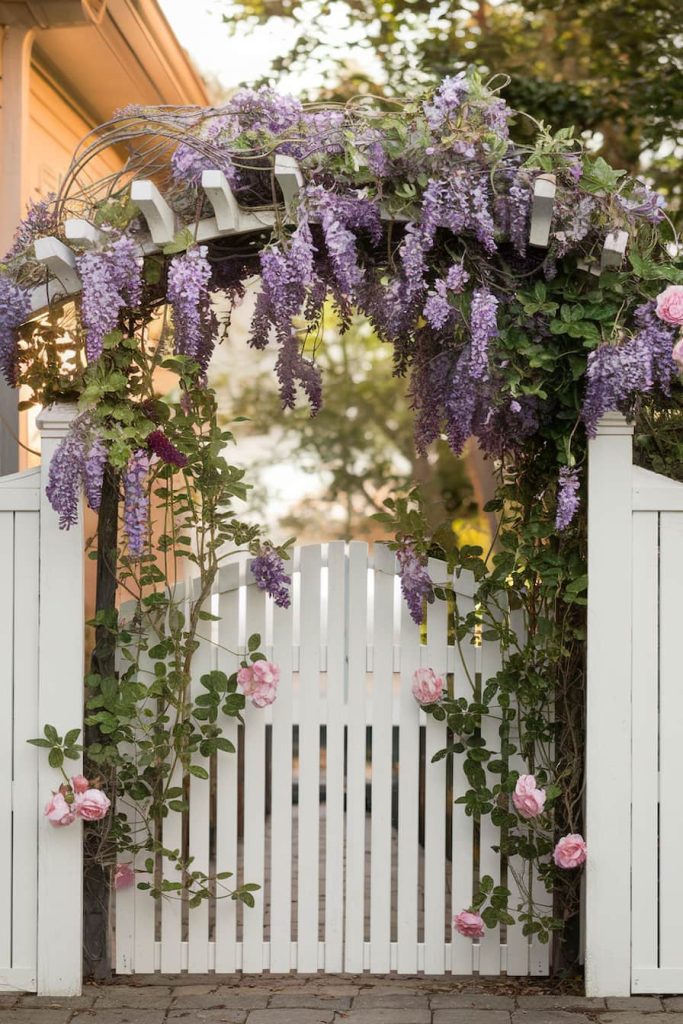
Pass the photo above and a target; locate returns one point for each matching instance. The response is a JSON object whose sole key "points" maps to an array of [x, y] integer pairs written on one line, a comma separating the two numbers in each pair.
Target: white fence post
{"points": [[608, 710], [60, 703]]}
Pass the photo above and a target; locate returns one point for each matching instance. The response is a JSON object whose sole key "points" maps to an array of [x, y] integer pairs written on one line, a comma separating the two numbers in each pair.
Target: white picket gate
{"points": [[41, 668], [332, 804]]}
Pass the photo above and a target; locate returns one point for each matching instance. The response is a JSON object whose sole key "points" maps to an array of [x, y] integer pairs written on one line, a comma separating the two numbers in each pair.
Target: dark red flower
{"points": [[167, 452]]}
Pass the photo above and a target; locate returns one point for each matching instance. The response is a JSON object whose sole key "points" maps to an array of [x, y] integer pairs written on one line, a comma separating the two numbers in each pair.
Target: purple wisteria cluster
{"points": [[77, 464], [193, 317], [136, 502], [112, 282], [269, 572], [15, 304], [567, 498], [416, 583]]}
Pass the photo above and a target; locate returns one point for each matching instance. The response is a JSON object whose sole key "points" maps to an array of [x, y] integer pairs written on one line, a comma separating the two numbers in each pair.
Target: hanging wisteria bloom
{"points": [[112, 281], [268, 570], [93, 472], [483, 328], [65, 478], [136, 502], [416, 583], [188, 292], [568, 500], [15, 303]]}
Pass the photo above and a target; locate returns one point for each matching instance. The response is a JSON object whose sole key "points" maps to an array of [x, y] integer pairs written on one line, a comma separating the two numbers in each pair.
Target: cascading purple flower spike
{"points": [[416, 583], [112, 281], [15, 305], [483, 328], [188, 292], [136, 501], [268, 570], [93, 472], [65, 478], [568, 500]]}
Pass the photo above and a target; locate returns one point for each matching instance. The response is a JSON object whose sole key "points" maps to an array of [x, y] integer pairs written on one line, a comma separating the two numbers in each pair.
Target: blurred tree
{"points": [[610, 67], [360, 445]]}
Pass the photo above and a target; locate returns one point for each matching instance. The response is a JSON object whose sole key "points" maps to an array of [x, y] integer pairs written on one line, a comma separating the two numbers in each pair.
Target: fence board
{"points": [[408, 797], [382, 735], [435, 792], [281, 813], [334, 757], [254, 797], [644, 829], [466, 666], [671, 737], [227, 774], [356, 752], [489, 835], [6, 700]]}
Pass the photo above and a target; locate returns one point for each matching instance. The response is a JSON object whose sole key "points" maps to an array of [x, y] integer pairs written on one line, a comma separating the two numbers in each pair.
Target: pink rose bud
{"points": [[124, 876], [244, 678], [427, 686], [80, 783], [528, 800], [92, 805], [670, 304], [570, 852], [677, 354], [266, 677], [58, 812], [469, 924]]}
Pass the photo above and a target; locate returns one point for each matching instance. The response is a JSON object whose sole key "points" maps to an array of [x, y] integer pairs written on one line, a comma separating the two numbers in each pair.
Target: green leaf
{"points": [[198, 771], [182, 240], [56, 758]]}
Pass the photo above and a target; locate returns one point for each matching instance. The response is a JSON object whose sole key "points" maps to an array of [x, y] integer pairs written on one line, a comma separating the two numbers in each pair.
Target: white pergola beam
{"points": [[543, 202], [60, 262], [156, 211], [82, 232]]}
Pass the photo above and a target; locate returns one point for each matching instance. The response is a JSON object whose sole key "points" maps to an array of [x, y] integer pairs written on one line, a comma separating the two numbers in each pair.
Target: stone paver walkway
{"points": [[343, 999]]}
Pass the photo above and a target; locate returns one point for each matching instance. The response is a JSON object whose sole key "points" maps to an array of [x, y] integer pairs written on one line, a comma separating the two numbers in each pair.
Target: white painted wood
{"points": [[334, 757], [542, 210], [20, 492], [466, 666], [281, 789], [60, 863], [227, 775], [645, 783], [356, 752], [82, 232], [59, 260], [309, 762], [655, 493], [614, 249], [408, 797], [662, 980], [489, 834], [670, 739], [25, 727], [289, 178], [156, 211], [221, 197], [200, 800], [6, 712], [254, 796], [382, 729], [608, 706], [435, 657]]}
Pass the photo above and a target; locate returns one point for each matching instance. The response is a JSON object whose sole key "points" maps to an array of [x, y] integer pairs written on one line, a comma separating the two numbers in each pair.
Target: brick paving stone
{"points": [[9, 998], [396, 1000], [548, 1017], [463, 1016], [639, 1017], [194, 990], [33, 1016], [83, 1002], [383, 1015], [118, 1015], [471, 1001], [224, 1014], [673, 1002], [634, 1003], [130, 995], [211, 1000], [309, 1001], [239, 998], [290, 1016], [560, 1002]]}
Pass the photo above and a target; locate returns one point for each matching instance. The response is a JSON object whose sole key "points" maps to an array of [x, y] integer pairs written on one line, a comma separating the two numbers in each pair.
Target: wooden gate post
{"points": [[60, 703], [608, 710]]}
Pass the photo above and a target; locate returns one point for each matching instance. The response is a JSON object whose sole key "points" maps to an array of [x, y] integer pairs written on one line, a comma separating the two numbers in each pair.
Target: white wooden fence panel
{"points": [[227, 954], [517, 867], [6, 700], [254, 798], [309, 762], [408, 798], [645, 768], [281, 809], [466, 665], [382, 738], [334, 756], [356, 755], [489, 834]]}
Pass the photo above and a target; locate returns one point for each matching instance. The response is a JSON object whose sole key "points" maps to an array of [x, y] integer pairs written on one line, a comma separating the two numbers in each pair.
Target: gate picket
{"points": [[334, 757]]}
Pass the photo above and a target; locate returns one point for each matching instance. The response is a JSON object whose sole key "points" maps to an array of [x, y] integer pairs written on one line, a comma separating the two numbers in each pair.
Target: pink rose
{"points": [[469, 924], [528, 800], [124, 876], [79, 783], [427, 686], [570, 852], [92, 805], [259, 682], [677, 354], [58, 811], [670, 304]]}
